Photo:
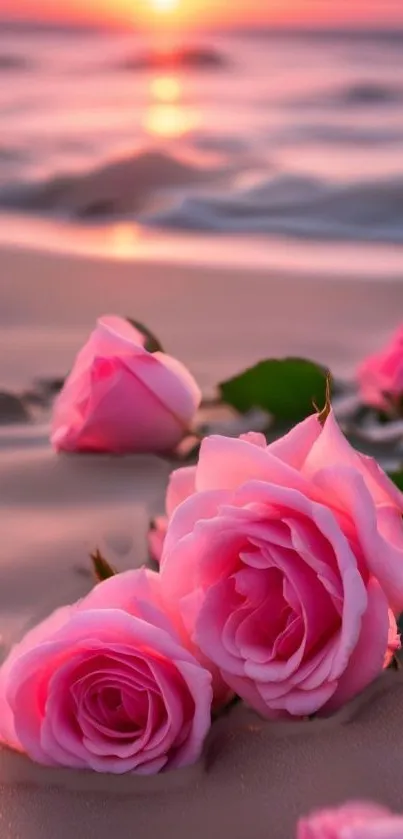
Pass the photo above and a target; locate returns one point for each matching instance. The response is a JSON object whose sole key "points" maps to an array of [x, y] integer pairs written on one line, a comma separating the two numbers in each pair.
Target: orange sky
{"points": [[195, 13]]}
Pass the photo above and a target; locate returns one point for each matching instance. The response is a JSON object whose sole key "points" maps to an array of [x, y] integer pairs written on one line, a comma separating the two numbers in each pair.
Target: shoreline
{"points": [[123, 240], [218, 320]]}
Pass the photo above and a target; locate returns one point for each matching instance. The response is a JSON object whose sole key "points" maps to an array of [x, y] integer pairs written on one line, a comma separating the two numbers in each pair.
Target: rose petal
{"points": [[181, 486], [295, 446], [368, 658], [226, 463]]}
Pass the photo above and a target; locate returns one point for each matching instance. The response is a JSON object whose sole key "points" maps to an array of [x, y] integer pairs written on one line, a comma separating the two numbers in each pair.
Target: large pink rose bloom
{"points": [[284, 562], [380, 376], [121, 398], [352, 821], [106, 685]]}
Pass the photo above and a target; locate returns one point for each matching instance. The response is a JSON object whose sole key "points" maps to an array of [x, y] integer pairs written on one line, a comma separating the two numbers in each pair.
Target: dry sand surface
{"points": [[256, 778], [216, 321]]}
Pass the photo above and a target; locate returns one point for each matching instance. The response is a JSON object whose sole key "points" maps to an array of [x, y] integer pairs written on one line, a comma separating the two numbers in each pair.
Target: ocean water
{"points": [[266, 136]]}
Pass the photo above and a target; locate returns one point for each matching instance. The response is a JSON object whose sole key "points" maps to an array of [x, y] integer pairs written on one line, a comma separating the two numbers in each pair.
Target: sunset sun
{"points": [[164, 6]]}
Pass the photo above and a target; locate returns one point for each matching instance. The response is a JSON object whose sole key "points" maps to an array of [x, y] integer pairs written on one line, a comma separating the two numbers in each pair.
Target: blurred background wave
{"points": [[286, 134]]}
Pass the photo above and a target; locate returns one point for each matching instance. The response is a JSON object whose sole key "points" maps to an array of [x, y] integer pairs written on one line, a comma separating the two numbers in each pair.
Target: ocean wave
{"points": [[339, 135], [297, 206], [118, 187], [188, 58], [159, 190], [13, 62], [356, 95], [228, 145], [10, 154]]}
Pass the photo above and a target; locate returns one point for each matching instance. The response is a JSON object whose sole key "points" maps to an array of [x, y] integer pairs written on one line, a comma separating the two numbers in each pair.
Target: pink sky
{"points": [[200, 12]]}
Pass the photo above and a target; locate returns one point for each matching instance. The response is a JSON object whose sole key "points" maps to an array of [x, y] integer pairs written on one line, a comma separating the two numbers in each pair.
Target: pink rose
{"points": [[105, 684], [352, 821], [181, 485], [380, 377], [284, 562], [121, 398]]}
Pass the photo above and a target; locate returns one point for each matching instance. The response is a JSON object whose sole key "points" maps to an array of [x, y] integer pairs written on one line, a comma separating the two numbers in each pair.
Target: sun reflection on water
{"points": [[167, 114], [123, 239], [166, 89]]}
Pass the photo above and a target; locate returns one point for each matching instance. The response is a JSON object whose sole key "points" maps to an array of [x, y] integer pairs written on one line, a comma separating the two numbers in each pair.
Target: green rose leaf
{"points": [[289, 389], [151, 343], [101, 566], [397, 478]]}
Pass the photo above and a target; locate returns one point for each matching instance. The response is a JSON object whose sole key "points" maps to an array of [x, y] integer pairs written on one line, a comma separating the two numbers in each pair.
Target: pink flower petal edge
{"points": [[121, 398], [107, 685], [380, 376], [285, 565], [356, 820]]}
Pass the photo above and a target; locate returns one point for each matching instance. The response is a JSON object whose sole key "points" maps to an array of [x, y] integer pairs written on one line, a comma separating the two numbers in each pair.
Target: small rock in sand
{"points": [[50, 387], [12, 409]]}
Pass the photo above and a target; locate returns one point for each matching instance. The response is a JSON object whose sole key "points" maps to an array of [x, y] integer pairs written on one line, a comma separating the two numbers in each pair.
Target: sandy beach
{"points": [[238, 190], [216, 319], [254, 779]]}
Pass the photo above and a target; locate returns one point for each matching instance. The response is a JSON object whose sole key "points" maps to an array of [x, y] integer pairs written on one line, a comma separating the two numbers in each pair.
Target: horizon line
{"points": [[308, 28]]}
